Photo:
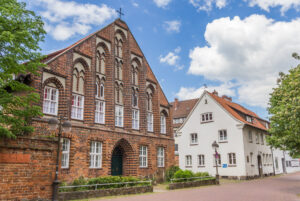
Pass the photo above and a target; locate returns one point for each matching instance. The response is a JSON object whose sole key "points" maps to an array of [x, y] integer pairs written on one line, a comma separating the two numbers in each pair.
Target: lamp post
{"points": [[62, 126], [216, 146]]}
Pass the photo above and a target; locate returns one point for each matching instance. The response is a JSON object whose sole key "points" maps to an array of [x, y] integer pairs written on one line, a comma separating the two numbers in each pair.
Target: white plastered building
{"points": [[240, 134]]}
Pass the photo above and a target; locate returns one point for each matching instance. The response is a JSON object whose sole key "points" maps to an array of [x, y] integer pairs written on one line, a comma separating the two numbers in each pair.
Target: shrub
{"points": [[102, 180], [183, 174], [201, 174], [170, 172]]}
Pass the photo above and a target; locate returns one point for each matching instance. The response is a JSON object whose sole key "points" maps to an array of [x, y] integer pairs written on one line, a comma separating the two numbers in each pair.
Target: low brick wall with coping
{"points": [[104, 192], [188, 184]]}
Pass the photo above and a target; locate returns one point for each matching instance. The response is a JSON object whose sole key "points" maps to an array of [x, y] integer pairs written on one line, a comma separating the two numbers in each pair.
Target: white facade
{"points": [[239, 156], [284, 163]]}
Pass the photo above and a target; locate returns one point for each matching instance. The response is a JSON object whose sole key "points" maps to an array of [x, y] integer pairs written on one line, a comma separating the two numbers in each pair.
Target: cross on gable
{"points": [[120, 12]]}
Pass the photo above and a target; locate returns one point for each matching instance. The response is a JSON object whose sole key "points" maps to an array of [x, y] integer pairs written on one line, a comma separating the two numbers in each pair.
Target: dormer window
{"points": [[249, 119], [267, 125], [206, 117]]}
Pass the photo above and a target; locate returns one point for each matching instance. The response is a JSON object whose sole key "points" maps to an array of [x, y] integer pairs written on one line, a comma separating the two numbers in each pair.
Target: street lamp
{"points": [[216, 146], [62, 127]]}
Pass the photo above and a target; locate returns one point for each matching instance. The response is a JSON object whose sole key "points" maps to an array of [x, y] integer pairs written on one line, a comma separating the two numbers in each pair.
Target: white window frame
{"points": [[119, 116], [257, 138], [150, 122], [48, 102], [100, 112], [188, 161], [249, 119], [250, 136], [223, 135], [231, 158], [163, 129], [135, 119], [201, 160], [96, 154], [262, 138], [143, 156], [65, 156], [207, 117], [77, 110], [160, 157], [194, 138]]}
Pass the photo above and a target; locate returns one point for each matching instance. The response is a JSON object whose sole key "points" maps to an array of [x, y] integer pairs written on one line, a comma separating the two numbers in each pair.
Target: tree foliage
{"points": [[21, 31], [285, 111]]}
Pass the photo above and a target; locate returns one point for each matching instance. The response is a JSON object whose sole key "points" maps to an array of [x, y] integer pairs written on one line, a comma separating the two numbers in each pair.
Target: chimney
{"points": [[227, 98], [215, 92], [175, 103]]}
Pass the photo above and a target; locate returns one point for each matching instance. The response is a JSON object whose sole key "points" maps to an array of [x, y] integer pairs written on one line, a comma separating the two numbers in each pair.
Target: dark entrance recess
{"points": [[117, 161], [259, 164]]}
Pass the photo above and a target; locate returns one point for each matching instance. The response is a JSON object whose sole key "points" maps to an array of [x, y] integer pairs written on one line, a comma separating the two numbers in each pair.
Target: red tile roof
{"points": [[240, 113]]}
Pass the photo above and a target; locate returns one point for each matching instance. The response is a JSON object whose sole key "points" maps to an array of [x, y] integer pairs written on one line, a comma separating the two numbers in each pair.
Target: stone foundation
{"points": [[179, 185], [104, 192]]}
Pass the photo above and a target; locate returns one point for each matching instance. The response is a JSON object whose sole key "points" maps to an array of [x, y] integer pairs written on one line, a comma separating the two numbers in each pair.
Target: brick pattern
{"points": [[33, 180]]}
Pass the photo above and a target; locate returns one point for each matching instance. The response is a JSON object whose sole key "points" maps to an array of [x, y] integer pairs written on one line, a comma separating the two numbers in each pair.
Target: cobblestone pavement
{"points": [[282, 188]]}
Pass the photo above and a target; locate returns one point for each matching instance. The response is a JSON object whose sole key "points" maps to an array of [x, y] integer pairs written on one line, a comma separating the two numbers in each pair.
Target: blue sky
{"points": [[234, 46]]}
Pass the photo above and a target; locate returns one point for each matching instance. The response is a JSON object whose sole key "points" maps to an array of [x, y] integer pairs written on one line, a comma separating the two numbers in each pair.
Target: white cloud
{"points": [[135, 4], [162, 3], [172, 59], [251, 52], [190, 93], [172, 26], [65, 19], [207, 5], [267, 4]]}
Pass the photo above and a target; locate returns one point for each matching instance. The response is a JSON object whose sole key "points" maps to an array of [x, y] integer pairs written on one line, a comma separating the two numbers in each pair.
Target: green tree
{"points": [[285, 111], [21, 31]]}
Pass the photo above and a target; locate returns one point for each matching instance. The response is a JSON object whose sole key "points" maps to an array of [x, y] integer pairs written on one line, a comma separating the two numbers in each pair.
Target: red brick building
{"points": [[121, 119]]}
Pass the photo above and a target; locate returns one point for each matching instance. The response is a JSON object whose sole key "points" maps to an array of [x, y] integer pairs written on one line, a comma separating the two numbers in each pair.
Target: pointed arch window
{"points": [[100, 103], [149, 111], [100, 67], [78, 87], [118, 46], [163, 126]]}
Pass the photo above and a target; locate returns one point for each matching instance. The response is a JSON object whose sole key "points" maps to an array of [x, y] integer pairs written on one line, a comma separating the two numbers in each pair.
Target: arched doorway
{"points": [[123, 159], [259, 164], [117, 161]]}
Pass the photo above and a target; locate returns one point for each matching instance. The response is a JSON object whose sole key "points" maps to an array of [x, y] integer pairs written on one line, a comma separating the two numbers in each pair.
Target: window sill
{"points": [[144, 167], [231, 165], [95, 168], [188, 166], [119, 126], [250, 141], [201, 166], [204, 122], [194, 144], [252, 165], [49, 114], [216, 166], [99, 123], [81, 120], [65, 168], [223, 141], [161, 167]]}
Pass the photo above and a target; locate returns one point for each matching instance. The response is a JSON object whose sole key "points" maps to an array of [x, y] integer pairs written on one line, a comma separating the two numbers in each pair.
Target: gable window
{"points": [[249, 119], [135, 119], [194, 138], [100, 112], [188, 160], [119, 116], [77, 107], [206, 117], [163, 129], [65, 153], [223, 135], [143, 156], [50, 103], [160, 157], [250, 136], [100, 65], [231, 159], [96, 155], [218, 159], [201, 160]]}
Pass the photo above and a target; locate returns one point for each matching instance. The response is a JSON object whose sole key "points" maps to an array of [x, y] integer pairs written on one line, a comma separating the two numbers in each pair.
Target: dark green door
{"points": [[117, 162]]}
